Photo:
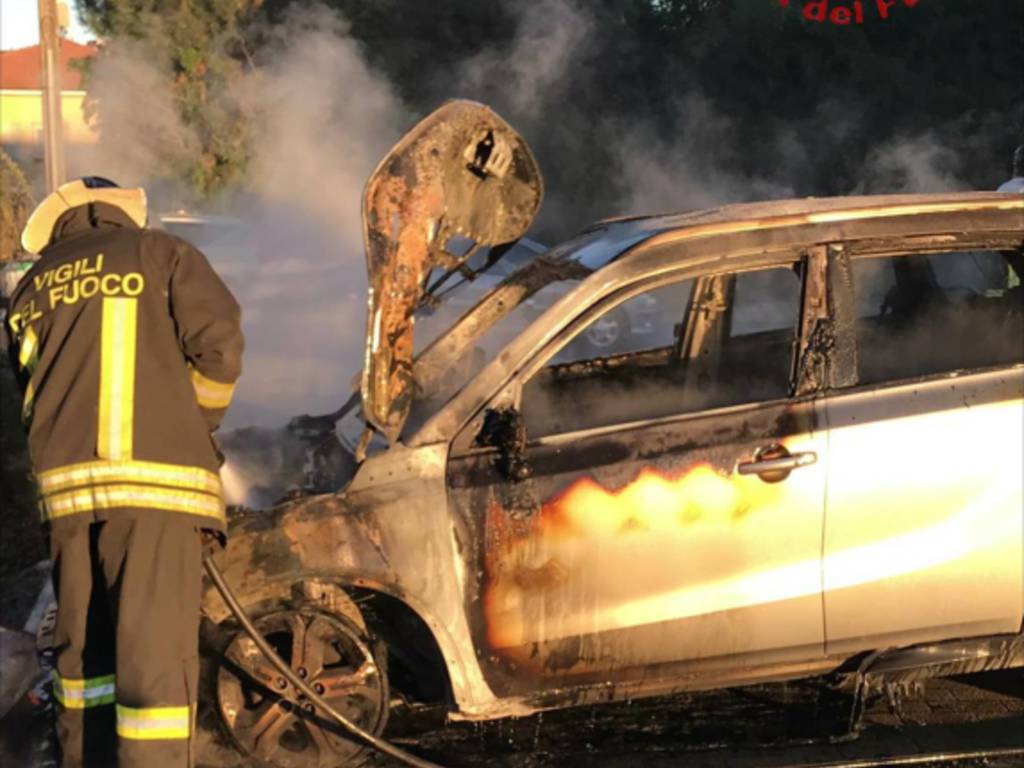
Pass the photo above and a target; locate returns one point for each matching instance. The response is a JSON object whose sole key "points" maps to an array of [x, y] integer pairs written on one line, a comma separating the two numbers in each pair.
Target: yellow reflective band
{"points": [[27, 356], [209, 393], [140, 496], [153, 722], [96, 472], [27, 403], [117, 378], [83, 693]]}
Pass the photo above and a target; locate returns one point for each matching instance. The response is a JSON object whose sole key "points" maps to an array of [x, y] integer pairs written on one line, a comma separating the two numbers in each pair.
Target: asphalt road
{"points": [[766, 726], [771, 726]]}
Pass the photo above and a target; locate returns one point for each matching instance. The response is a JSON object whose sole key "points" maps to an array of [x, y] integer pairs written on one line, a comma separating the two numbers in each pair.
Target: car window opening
{"points": [[639, 360], [925, 314]]}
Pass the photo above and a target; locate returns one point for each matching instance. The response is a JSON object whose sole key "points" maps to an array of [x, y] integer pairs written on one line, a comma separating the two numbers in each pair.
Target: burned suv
{"points": [[812, 463]]}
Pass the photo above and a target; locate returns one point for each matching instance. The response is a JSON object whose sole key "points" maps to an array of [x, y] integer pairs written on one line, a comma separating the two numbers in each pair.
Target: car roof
{"points": [[744, 217], [836, 208]]}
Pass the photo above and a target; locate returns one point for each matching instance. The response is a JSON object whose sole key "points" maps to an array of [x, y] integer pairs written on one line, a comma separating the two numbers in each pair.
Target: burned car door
{"points": [[923, 536], [656, 509]]}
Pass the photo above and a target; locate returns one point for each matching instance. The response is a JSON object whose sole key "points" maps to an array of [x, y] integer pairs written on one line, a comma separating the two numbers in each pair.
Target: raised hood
{"points": [[460, 180]]}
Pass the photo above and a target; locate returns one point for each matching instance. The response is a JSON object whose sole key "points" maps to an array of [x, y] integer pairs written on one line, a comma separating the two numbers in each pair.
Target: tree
{"points": [[16, 203], [21, 544], [750, 94], [202, 43]]}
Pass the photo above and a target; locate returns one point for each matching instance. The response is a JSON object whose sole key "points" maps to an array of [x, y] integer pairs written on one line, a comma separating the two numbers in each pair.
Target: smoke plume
{"points": [[919, 164], [665, 174], [321, 120], [535, 68], [136, 142], [321, 117]]}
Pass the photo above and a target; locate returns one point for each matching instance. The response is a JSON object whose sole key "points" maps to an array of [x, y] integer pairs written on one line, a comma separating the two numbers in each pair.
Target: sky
{"points": [[19, 24]]}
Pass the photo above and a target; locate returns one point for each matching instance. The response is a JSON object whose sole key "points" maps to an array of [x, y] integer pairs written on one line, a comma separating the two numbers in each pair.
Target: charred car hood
{"points": [[461, 174]]}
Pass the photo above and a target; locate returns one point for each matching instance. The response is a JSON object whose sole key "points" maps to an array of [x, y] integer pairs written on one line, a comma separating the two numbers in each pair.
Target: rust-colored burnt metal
{"points": [[460, 172], [816, 334]]}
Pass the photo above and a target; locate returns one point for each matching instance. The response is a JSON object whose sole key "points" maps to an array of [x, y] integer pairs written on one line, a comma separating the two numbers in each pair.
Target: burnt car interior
{"points": [[730, 339], [718, 341], [924, 313]]}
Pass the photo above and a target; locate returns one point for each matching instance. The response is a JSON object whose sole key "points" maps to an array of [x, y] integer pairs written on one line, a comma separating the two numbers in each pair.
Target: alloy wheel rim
{"points": [[275, 724]]}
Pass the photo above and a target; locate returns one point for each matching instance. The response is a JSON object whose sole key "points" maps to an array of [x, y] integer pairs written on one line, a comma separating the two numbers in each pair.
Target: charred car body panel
{"points": [[576, 586], [710, 541]]}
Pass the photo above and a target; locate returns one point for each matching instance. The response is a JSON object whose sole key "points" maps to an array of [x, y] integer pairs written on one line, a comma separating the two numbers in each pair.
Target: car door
{"points": [[671, 518], [923, 534]]}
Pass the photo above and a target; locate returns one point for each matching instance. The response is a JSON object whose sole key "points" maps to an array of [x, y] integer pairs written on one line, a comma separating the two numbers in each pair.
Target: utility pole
{"points": [[53, 139]]}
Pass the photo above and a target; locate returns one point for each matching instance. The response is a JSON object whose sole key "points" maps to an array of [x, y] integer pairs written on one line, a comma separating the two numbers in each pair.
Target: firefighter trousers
{"points": [[126, 639]]}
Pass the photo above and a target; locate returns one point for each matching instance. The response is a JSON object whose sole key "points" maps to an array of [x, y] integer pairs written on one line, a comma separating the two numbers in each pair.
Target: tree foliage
{"points": [[16, 203], [202, 40], [748, 90]]}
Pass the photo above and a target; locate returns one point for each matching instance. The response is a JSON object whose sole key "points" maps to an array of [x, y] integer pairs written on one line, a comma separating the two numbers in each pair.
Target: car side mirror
{"points": [[504, 429]]}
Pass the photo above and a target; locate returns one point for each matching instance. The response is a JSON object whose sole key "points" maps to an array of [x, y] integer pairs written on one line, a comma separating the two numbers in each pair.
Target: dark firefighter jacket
{"points": [[127, 347]]}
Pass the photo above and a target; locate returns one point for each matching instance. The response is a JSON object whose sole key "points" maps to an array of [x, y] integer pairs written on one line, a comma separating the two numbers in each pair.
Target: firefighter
{"points": [[127, 347]]}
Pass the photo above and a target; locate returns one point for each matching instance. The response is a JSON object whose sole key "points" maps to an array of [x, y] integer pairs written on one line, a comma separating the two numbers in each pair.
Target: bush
{"points": [[16, 203]]}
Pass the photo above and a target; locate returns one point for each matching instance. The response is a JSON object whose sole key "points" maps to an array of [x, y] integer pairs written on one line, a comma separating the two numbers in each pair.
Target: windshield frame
{"points": [[601, 244], [572, 261]]}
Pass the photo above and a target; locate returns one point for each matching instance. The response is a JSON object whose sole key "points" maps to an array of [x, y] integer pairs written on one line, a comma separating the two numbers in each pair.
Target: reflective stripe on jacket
{"points": [[127, 347]]}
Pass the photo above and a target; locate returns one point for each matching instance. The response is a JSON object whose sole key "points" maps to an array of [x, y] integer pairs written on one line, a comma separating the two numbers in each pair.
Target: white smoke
{"points": [[917, 164], [320, 120], [664, 175], [236, 488], [527, 75], [535, 82], [132, 109]]}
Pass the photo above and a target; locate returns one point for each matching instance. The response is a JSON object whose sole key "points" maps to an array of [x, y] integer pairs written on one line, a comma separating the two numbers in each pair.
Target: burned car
{"points": [[811, 464]]}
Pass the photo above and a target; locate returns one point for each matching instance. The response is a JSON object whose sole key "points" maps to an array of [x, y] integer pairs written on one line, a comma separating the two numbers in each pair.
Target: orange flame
{"points": [[703, 545], [652, 502], [527, 566]]}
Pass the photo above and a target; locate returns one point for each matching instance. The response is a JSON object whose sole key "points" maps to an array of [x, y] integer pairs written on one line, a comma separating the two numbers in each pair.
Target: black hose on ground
{"points": [[286, 671]]}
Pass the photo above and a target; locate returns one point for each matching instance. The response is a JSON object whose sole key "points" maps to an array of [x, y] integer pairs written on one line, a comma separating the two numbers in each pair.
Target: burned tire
{"points": [[271, 723]]}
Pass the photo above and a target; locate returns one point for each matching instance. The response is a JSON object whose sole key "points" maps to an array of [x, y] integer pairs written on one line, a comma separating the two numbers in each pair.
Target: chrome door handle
{"points": [[791, 462], [773, 463]]}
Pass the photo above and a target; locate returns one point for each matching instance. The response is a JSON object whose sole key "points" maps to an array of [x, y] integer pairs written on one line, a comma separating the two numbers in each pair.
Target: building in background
{"points": [[21, 104]]}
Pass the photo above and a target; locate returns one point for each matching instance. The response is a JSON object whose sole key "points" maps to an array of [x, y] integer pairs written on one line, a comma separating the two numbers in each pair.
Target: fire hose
{"points": [[286, 671]]}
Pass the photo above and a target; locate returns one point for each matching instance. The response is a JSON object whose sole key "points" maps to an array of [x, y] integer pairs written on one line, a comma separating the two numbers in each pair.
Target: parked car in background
{"points": [[809, 462], [200, 229]]}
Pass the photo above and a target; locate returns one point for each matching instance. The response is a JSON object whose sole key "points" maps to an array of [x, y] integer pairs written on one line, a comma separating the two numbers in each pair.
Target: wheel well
{"points": [[416, 666]]}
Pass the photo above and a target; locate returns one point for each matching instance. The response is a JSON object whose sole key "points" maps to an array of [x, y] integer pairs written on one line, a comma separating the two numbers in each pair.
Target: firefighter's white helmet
{"points": [[90, 189]]}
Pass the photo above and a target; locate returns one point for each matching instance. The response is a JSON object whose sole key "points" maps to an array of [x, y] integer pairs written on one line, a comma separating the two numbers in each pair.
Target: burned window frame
{"points": [[511, 394], [844, 374]]}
